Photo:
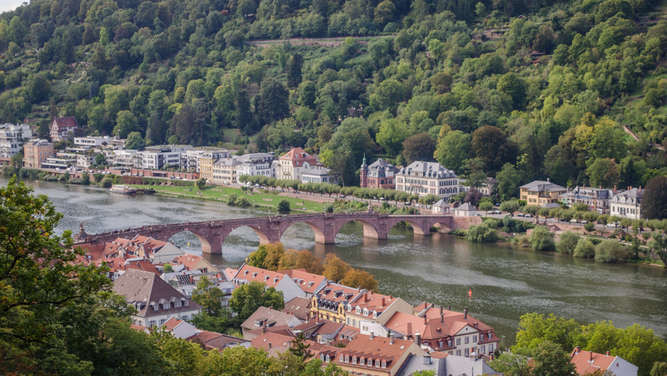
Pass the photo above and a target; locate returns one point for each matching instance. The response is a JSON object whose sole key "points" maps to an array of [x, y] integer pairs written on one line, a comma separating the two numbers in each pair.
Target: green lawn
{"points": [[218, 193]]}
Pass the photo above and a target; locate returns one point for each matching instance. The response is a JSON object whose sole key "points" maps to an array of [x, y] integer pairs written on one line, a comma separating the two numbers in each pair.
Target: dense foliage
{"points": [[525, 89], [635, 343]]}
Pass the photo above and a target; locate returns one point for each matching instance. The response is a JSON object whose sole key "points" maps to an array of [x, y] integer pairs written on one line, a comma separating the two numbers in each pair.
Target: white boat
{"points": [[123, 189]]}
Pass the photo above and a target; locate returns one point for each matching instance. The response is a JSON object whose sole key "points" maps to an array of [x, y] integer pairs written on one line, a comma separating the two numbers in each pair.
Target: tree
{"points": [[284, 207], [43, 285], [126, 123], [201, 183], [535, 328], [360, 279], [658, 244], [273, 103], [419, 147], [515, 87], [299, 347], [603, 172], [508, 181], [567, 243], [344, 151], [481, 234], [293, 68], [584, 249], [551, 360], [248, 297], [511, 364], [654, 199], [335, 269], [134, 141], [453, 149], [659, 369], [490, 144], [541, 239], [208, 296], [611, 251], [38, 88]]}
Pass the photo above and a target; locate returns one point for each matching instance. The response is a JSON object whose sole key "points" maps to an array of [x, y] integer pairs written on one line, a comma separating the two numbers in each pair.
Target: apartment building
{"points": [[12, 138], [163, 157], [627, 204], [255, 164], [596, 199], [35, 152], [541, 193], [428, 178]]}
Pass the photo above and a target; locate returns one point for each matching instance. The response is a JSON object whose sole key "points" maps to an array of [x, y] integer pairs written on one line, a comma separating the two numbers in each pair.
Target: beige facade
{"points": [[35, 152], [224, 171], [541, 193], [206, 168], [428, 178]]}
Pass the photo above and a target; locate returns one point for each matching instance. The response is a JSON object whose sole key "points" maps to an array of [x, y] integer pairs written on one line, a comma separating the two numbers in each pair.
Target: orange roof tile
{"points": [[273, 343], [335, 292], [251, 273], [587, 362], [308, 282], [298, 156], [367, 347], [172, 323]]}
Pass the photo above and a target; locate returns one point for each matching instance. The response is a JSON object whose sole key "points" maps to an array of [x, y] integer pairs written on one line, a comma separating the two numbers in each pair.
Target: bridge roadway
{"points": [[270, 229]]}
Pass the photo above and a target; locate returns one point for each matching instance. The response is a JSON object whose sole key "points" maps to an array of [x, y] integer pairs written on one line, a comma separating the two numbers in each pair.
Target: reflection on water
{"points": [[505, 283]]}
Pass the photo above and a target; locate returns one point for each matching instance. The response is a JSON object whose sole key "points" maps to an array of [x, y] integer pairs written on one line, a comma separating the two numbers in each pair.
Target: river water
{"points": [[505, 283]]}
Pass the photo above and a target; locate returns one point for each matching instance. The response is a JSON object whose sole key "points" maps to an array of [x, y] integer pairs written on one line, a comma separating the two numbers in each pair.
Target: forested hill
{"points": [[518, 88]]}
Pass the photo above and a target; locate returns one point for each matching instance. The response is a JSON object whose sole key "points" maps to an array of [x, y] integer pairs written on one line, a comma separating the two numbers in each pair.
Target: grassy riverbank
{"points": [[225, 194]]}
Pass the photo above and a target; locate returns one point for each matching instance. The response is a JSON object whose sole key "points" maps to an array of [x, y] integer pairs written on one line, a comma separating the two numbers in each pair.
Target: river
{"points": [[505, 283]]}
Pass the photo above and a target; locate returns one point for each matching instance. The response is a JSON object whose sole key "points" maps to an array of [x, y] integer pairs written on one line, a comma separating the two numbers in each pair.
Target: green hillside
{"points": [[515, 88]]}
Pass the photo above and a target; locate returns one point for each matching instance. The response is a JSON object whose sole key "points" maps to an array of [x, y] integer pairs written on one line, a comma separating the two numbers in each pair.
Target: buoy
{"points": [[470, 293]]}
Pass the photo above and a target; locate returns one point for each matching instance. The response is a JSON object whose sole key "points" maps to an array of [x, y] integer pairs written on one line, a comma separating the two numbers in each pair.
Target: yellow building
{"points": [[541, 193], [35, 152], [331, 301], [206, 167]]}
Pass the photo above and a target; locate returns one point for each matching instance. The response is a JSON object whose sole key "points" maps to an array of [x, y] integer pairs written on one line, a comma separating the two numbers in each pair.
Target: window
{"points": [[474, 338], [467, 340], [458, 341], [458, 352]]}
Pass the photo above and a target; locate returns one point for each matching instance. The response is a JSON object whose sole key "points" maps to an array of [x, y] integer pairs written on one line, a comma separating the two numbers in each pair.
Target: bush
{"points": [[284, 207], [567, 243], [584, 249], [510, 206], [611, 251], [485, 205], [107, 182], [482, 234], [541, 239], [589, 226]]}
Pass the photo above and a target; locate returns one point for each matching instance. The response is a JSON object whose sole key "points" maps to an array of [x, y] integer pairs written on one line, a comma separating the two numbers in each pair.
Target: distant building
{"points": [[265, 318], [224, 171], [541, 193], [331, 302], [627, 204], [379, 174], [35, 152], [465, 210], [190, 159], [428, 178], [105, 142], [155, 300], [440, 207], [280, 281], [126, 159], [292, 164], [12, 138], [63, 128], [374, 355], [588, 363], [61, 161], [318, 175], [596, 199], [254, 164], [370, 312], [162, 157], [445, 364]]}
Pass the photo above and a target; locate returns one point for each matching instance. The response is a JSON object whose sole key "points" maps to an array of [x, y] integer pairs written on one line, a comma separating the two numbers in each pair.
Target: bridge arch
{"points": [[318, 231], [204, 242], [370, 229]]}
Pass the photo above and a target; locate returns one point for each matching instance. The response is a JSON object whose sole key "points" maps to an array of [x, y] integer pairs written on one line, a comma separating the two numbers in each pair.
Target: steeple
{"points": [[363, 162], [363, 173]]}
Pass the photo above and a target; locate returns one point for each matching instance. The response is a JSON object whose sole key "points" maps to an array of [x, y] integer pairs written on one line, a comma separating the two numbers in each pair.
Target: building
{"points": [[379, 174], [318, 174], [35, 152], [155, 300], [224, 171], [438, 329], [280, 281], [330, 302], [309, 283], [190, 159], [588, 363], [102, 142], [61, 161], [126, 159], [465, 210], [428, 178], [627, 204], [163, 157], [370, 311], [596, 199], [179, 328], [299, 307], [291, 164], [541, 193], [63, 128], [12, 138], [216, 341], [254, 164], [374, 355], [445, 364], [264, 319]]}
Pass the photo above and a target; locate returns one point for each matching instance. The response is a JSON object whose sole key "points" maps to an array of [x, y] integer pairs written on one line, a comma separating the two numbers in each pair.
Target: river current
{"points": [[505, 283]]}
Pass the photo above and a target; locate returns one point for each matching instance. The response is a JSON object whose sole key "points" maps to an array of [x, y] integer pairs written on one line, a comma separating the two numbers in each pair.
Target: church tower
{"points": [[363, 173]]}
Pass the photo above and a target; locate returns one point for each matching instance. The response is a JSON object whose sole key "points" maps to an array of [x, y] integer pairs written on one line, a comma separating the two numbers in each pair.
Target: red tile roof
{"points": [[273, 343], [334, 292], [249, 273], [299, 307], [144, 265], [308, 282], [172, 323], [298, 156], [365, 347], [373, 302], [587, 362], [66, 122]]}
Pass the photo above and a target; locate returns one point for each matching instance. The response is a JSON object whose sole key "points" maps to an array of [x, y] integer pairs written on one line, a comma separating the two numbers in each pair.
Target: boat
{"points": [[122, 189]]}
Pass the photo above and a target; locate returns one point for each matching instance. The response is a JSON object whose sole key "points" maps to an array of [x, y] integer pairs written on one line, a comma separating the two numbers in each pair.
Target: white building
{"points": [[588, 363], [125, 159], [190, 158], [155, 300], [163, 157], [99, 142], [254, 164], [61, 161], [627, 204], [12, 137], [428, 178]]}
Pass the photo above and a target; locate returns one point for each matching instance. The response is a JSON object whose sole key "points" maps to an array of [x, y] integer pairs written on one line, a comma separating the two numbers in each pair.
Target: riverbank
{"points": [[237, 197]]}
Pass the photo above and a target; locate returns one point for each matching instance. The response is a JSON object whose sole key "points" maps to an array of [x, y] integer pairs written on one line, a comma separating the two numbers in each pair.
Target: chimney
{"points": [[372, 335], [465, 313], [449, 308], [590, 359], [409, 333], [442, 318], [383, 302], [425, 319], [418, 339], [441, 311], [391, 340], [607, 353]]}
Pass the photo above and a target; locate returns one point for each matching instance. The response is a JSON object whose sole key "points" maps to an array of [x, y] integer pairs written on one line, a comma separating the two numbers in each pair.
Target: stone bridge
{"points": [[270, 229]]}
